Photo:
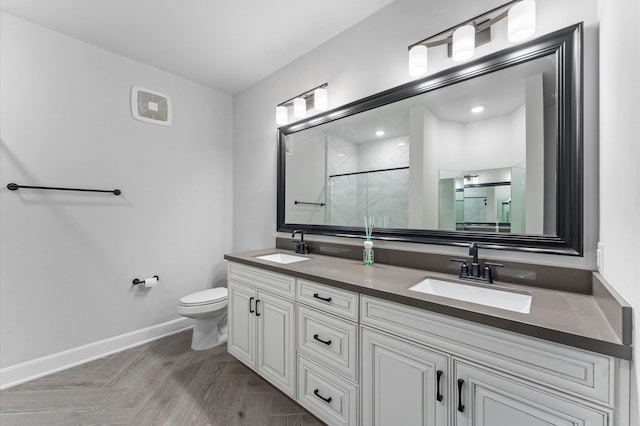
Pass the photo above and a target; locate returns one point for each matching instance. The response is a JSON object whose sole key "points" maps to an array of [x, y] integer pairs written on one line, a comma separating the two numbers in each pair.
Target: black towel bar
{"points": [[15, 186], [311, 204]]}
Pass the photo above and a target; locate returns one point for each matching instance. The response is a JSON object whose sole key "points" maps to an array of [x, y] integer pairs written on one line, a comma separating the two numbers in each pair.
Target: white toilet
{"points": [[207, 307]]}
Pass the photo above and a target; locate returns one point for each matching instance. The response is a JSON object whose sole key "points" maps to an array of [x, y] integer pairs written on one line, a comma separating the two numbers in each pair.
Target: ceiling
{"points": [[228, 45], [501, 92]]}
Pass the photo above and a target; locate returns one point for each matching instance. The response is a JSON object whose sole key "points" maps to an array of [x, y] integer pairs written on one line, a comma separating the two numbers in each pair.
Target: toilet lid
{"points": [[204, 297]]}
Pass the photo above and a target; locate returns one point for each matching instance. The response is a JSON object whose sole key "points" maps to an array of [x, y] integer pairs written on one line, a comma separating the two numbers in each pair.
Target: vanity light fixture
{"points": [[463, 43], [521, 21], [319, 96], [462, 39], [299, 107], [320, 99], [282, 115], [418, 60]]}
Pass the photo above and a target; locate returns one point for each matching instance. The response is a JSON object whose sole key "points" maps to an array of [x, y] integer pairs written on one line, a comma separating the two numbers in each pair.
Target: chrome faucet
{"points": [[301, 246], [475, 275]]}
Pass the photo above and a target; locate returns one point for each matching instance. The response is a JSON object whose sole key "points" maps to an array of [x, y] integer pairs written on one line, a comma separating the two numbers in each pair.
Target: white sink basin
{"points": [[496, 298], [282, 258]]}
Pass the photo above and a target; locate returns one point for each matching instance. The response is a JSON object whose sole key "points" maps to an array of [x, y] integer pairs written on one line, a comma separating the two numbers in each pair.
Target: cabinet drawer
{"points": [[331, 398], [564, 368], [279, 284], [328, 299], [330, 340]]}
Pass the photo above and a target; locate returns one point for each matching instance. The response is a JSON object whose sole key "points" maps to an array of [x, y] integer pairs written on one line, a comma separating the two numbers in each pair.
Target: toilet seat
{"points": [[215, 298]]}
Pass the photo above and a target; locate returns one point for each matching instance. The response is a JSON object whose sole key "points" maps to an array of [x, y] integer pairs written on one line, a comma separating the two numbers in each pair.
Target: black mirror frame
{"points": [[566, 44]]}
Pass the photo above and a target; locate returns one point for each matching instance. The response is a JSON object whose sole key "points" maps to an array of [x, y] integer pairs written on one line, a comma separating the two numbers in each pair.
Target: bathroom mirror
{"points": [[427, 169]]}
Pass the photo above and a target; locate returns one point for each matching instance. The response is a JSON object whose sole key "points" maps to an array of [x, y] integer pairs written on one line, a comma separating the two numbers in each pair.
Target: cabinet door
{"points": [[402, 383], [242, 323], [276, 338], [484, 398]]}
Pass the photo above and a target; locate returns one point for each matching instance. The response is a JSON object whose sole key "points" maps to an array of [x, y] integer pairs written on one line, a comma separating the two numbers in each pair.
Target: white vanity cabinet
{"points": [[261, 323], [496, 378], [355, 359], [328, 352]]}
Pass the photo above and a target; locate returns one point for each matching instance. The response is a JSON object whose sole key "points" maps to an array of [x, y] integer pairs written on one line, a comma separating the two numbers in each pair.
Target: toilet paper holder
{"points": [[137, 281]]}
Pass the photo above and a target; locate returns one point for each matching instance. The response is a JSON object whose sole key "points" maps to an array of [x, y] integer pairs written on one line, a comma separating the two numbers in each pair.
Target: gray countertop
{"points": [[568, 318]]}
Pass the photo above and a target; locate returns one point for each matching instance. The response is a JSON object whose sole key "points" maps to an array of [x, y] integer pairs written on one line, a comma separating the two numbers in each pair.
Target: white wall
{"points": [[620, 156], [68, 259], [371, 57], [535, 155], [309, 184], [483, 144]]}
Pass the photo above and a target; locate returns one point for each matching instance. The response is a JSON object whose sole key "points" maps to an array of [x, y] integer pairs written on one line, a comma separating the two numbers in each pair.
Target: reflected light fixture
{"points": [[379, 133], [477, 109], [319, 95], [462, 39]]}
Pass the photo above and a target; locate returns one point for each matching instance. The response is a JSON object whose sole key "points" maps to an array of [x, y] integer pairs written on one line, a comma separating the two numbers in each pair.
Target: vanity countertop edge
{"points": [[567, 318]]}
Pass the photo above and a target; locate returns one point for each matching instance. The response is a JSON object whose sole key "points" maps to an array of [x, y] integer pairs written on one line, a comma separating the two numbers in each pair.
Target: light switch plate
{"points": [[600, 258]]}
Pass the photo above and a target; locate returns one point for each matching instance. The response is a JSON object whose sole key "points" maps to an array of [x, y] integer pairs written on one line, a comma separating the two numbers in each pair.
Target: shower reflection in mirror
{"points": [[492, 200]]}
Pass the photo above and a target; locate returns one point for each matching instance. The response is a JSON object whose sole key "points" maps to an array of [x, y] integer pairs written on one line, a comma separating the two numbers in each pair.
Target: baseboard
{"points": [[23, 372]]}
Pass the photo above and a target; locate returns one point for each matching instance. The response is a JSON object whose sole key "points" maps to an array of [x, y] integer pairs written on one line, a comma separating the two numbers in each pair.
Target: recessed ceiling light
{"points": [[477, 109], [379, 132]]}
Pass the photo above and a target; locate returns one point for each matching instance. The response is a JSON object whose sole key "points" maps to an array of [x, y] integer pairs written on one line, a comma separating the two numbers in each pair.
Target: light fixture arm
{"points": [[481, 23], [304, 95]]}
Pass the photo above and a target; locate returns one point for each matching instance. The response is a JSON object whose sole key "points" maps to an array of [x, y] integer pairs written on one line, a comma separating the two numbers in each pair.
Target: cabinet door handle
{"points": [[326, 342], [317, 393], [438, 377], [460, 406], [327, 299], [250, 304], [257, 313]]}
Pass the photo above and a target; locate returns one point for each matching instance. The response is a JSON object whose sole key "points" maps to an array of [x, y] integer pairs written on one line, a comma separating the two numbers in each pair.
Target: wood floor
{"points": [[162, 382]]}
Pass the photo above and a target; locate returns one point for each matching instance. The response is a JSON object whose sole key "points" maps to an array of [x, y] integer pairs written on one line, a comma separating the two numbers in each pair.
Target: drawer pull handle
{"points": [[326, 342], [460, 406], [327, 299], [257, 313], [317, 393], [251, 304], [438, 377]]}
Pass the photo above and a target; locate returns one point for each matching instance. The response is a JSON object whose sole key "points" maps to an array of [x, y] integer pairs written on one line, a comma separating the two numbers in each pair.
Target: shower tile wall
{"points": [[370, 194], [385, 194], [342, 157], [384, 154]]}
